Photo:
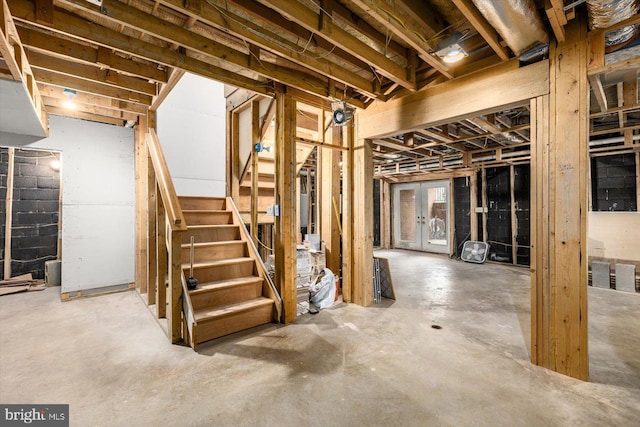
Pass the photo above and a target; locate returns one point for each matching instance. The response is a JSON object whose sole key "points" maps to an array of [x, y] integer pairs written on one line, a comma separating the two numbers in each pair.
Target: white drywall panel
{"points": [[98, 200], [191, 124], [614, 235]]}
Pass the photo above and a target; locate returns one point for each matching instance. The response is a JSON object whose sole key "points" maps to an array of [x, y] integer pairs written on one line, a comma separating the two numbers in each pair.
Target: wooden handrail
{"points": [[165, 183]]}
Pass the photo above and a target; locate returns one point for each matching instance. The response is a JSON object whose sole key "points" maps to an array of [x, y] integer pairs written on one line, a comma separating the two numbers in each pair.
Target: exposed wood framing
{"points": [[166, 89], [348, 265], [255, 169], [598, 91], [362, 211], [8, 221], [385, 214], [477, 94], [151, 236], [473, 190], [328, 190], [307, 18], [559, 199], [161, 256], [285, 244], [140, 158], [484, 204], [487, 32]]}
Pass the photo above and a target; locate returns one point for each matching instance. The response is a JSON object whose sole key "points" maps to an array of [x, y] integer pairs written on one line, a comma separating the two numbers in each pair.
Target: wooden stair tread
{"points": [[209, 244], [206, 287], [205, 211], [202, 197], [202, 227], [209, 314], [217, 263]]}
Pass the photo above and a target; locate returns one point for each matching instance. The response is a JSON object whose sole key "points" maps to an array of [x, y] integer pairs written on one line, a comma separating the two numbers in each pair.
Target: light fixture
{"points": [[341, 113], [70, 94], [452, 53], [55, 165], [260, 147]]}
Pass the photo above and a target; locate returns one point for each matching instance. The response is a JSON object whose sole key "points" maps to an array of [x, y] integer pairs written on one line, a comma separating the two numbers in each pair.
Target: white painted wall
{"points": [[614, 235], [191, 125], [98, 200]]}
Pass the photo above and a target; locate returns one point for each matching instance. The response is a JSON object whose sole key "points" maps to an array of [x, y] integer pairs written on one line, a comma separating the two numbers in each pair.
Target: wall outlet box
{"points": [[273, 210]]}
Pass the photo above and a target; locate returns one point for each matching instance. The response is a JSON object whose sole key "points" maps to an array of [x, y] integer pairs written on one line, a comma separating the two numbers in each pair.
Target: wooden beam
{"points": [[161, 256], [473, 198], [348, 258], [483, 27], [53, 92], [514, 216], [65, 81], [308, 19], [555, 19], [328, 190], [255, 169], [254, 34], [8, 222], [175, 287], [90, 109], [151, 270], [559, 187], [44, 11], [72, 25], [403, 24], [86, 116], [385, 214], [477, 94], [166, 89], [285, 244], [217, 53], [140, 172], [485, 205], [47, 42], [91, 73], [598, 91]]}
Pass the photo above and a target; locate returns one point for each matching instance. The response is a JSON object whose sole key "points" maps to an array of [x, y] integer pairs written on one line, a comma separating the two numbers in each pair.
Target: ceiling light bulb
{"points": [[454, 55], [69, 104], [70, 94]]}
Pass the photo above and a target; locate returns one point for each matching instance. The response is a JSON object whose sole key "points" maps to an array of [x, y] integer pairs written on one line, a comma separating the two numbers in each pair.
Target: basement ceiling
{"points": [[122, 57]]}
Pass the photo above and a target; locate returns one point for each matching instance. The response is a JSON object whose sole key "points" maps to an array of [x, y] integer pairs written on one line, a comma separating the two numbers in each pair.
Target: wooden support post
{"points": [[559, 199], [385, 214], [347, 214], [473, 204], [175, 287], [152, 283], [485, 206], [161, 256], [310, 205], [451, 221], [285, 244], [235, 170], [362, 222], [8, 213], [328, 191], [514, 217], [140, 159], [255, 169]]}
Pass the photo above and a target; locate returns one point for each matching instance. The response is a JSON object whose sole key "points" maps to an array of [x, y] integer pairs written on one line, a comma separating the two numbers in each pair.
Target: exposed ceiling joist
{"points": [[324, 26], [91, 99], [483, 27], [248, 31], [88, 54], [91, 73], [403, 23]]}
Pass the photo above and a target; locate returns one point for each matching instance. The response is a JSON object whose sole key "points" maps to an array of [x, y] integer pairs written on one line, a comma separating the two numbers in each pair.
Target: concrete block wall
{"points": [[613, 180], [36, 208]]}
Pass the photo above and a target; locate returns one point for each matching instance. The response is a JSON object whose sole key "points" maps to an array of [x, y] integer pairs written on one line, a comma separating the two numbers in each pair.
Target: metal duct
{"points": [[517, 22], [605, 13]]}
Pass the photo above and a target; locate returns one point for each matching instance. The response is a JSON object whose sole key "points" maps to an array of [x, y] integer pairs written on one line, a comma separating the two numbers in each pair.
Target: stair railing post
{"points": [[161, 256], [175, 284]]}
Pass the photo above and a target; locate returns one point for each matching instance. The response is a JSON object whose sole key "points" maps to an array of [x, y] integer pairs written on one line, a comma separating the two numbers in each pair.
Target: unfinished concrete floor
{"points": [[346, 366]]}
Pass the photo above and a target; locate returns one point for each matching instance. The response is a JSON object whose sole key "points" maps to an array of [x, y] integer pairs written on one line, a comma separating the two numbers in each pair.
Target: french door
{"points": [[421, 216]]}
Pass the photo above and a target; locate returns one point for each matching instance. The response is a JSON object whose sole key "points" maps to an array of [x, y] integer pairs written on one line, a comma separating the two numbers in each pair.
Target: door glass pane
{"points": [[407, 215], [437, 214]]}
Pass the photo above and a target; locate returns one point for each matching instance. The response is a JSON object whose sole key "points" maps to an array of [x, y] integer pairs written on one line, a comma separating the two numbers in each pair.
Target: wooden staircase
{"points": [[234, 293]]}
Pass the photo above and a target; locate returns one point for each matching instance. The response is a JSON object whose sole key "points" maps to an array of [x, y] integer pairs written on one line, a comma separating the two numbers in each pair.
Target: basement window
{"points": [[613, 183]]}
